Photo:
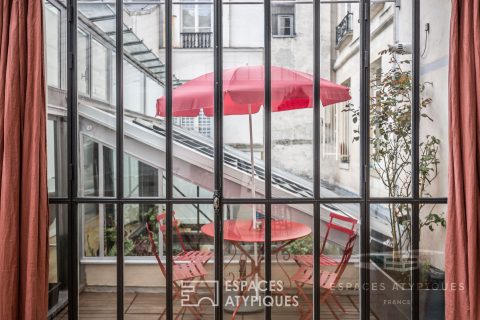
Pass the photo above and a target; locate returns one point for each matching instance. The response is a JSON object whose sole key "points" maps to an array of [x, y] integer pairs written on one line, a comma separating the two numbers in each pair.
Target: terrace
{"points": [[149, 305]]}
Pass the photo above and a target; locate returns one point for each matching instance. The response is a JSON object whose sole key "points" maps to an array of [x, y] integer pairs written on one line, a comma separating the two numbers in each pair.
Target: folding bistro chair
{"points": [[328, 281], [338, 222], [185, 255], [182, 273]]}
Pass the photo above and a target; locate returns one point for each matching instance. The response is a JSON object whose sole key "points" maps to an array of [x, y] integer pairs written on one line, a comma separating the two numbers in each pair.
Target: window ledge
{"points": [[280, 36], [344, 165]]}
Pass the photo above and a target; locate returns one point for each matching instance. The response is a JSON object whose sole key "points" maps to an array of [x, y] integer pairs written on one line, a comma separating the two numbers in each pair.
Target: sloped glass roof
{"points": [[102, 15]]}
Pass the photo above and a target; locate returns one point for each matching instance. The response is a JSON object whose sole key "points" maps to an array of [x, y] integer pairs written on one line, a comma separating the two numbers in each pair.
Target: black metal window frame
{"points": [[72, 200]]}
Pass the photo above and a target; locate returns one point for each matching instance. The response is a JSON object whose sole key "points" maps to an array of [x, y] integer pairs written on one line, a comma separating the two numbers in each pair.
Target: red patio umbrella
{"points": [[244, 92]]}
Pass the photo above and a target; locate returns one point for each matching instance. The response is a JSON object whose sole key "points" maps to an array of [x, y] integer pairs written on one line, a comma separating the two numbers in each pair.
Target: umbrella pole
{"points": [[252, 161], [254, 211]]}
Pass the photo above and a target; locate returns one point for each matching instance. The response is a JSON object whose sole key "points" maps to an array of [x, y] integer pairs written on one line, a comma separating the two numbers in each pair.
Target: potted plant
{"points": [[300, 247], [136, 241], [391, 162]]}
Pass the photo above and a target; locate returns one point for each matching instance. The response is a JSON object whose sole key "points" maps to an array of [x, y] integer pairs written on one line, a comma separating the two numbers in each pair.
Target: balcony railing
{"points": [[196, 40], [344, 28]]}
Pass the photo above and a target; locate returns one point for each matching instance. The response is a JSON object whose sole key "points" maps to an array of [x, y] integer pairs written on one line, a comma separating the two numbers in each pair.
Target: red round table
{"points": [[243, 231]]}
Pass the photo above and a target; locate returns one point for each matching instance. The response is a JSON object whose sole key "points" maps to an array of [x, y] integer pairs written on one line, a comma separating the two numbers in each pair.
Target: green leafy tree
{"points": [[390, 147]]}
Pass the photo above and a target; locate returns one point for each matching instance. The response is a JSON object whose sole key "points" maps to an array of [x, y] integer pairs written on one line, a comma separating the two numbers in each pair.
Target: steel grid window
{"points": [[76, 198]]}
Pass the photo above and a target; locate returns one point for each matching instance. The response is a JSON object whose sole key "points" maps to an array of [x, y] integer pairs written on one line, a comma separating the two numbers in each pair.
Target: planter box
{"points": [[53, 289], [390, 300]]}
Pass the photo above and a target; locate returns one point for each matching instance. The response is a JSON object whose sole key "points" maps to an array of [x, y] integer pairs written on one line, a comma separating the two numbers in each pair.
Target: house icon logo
{"points": [[190, 293]]}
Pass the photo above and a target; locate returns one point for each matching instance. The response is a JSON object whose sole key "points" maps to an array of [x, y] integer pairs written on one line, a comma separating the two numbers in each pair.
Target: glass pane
{"points": [[243, 132], [143, 84], [340, 239], [96, 158], [98, 225], [140, 178], [99, 71], [98, 169], [292, 260], [390, 262], [152, 91], [292, 240], [97, 269], [55, 60], [391, 103], [185, 189], [193, 242], [51, 154], [90, 168], [339, 122], [144, 282], [58, 261], [57, 157], [244, 269], [432, 261], [83, 76], [96, 114], [113, 77], [133, 88], [204, 18], [192, 106], [52, 44], [434, 46], [292, 107]]}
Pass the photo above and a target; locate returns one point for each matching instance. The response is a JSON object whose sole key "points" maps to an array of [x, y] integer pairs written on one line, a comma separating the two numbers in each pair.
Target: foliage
{"points": [[300, 246], [390, 146], [135, 244]]}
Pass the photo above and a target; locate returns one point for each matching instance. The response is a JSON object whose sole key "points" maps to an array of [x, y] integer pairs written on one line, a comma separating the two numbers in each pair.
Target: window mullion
{"points": [[365, 156]]}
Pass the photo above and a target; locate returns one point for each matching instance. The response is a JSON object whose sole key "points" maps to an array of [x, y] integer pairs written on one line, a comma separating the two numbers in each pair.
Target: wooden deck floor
{"points": [[148, 306]]}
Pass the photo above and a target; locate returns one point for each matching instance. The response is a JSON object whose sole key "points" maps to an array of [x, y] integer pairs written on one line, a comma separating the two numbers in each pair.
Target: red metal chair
{"points": [[328, 281], [338, 222], [185, 255], [182, 273]]}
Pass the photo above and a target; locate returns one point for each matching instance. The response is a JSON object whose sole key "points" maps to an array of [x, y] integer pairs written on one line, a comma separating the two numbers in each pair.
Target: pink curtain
{"points": [[23, 194], [462, 250]]}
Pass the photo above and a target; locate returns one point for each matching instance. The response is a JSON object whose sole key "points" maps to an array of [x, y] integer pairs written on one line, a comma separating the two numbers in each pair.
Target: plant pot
{"points": [[53, 289], [432, 298], [432, 304], [391, 300]]}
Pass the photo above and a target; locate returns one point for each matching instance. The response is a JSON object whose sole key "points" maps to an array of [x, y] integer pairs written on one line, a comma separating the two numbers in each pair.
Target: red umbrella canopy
{"points": [[244, 87]]}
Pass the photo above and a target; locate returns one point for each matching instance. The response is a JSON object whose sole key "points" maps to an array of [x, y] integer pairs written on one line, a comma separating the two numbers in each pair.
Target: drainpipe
{"points": [[396, 29]]}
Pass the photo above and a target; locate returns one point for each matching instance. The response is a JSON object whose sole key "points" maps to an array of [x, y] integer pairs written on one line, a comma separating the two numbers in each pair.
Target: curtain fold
{"points": [[462, 249], [23, 176]]}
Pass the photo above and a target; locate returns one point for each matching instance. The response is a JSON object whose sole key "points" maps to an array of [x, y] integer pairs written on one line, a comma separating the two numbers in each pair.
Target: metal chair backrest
{"points": [[162, 218], [155, 250], [347, 254], [335, 218]]}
